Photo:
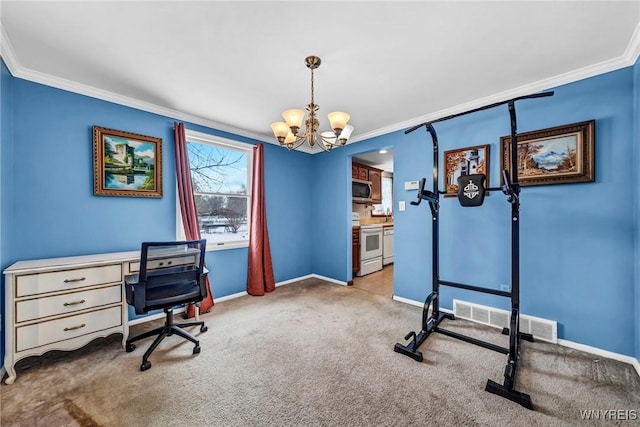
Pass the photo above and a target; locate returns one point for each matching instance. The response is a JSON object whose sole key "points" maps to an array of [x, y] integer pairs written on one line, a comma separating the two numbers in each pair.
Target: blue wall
{"points": [[577, 241], [636, 194], [6, 193], [50, 189], [288, 199]]}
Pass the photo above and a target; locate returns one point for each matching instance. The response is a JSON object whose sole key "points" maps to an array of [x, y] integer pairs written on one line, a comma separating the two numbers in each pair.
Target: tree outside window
{"points": [[220, 173]]}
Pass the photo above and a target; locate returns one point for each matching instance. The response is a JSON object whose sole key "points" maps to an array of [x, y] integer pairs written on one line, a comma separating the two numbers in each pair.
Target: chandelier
{"points": [[287, 132]]}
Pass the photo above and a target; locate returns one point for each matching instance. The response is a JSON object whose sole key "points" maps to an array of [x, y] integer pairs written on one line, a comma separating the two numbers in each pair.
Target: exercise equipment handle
{"points": [[420, 191]]}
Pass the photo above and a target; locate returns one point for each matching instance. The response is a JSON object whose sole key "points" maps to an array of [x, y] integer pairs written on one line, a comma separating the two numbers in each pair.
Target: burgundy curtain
{"points": [[188, 205], [260, 275]]}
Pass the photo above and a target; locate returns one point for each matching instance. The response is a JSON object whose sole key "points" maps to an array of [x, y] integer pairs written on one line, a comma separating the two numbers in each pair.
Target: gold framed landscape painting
{"points": [[558, 155], [126, 164]]}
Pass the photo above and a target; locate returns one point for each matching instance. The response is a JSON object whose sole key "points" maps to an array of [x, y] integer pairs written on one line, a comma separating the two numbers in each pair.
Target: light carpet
{"points": [[313, 353]]}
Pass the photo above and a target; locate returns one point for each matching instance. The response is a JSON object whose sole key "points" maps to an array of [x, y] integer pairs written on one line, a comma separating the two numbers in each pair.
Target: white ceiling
{"points": [[377, 159], [237, 65]]}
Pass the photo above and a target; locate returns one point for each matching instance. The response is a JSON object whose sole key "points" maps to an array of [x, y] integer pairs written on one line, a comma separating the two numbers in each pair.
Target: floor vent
{"points": [[543, 329]]}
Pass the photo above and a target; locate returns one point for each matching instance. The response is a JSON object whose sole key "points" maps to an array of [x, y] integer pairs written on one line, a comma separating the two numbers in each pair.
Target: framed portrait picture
{"points": [[464, 161], [558, 155], [126, 164]]}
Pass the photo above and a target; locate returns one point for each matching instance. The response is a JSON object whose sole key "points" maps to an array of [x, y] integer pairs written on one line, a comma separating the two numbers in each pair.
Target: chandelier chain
{"points": [[312, 88]]}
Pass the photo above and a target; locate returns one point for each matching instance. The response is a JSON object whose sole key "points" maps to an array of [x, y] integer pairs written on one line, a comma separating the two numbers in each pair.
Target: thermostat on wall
{"points": [[411, 185]]}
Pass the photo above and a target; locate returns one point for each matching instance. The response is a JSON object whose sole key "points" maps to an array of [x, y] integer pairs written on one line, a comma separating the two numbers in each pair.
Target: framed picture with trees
{"points": [[126, 164], [558, 155]]}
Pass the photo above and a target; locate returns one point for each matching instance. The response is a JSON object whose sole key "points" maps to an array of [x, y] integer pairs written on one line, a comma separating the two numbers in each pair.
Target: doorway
{"points": [[375, 167]]}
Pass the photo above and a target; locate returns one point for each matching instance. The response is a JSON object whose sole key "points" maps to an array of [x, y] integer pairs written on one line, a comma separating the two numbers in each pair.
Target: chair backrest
{"points": [[160, 256], [171, 273]]}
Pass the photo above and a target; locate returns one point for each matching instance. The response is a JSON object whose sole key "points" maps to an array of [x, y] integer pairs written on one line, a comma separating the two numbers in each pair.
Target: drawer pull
{"points": [[75, 327], [66, 304], [74, 280]]}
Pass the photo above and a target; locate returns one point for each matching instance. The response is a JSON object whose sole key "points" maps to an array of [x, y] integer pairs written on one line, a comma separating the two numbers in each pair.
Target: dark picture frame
{"points": [[464, 161], [126, 164], [558, 155]]}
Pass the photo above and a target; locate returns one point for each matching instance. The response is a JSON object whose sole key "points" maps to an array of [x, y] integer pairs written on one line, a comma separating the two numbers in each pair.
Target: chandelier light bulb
{"points": [[280, 130], [338, 121], [294, 118], [290, 139], [346, 134]]}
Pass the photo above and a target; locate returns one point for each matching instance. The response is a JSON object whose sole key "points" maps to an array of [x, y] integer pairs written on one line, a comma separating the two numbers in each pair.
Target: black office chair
{"points": [[171, 274]]}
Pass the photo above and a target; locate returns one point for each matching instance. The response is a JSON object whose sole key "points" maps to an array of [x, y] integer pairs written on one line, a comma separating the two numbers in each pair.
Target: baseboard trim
{"points": [[603, 353], [296, 279], [227, 298], [565, 343], [329, 279], [417, 304], [408, 301], [151, 317], [230, 297]]}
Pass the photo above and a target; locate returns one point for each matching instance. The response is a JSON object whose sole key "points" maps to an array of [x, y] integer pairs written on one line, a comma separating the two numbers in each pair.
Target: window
{"points": [[221, 176], [386, 207]]}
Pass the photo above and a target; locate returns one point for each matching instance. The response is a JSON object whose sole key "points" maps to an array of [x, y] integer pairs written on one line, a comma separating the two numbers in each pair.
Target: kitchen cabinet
{"points": [[375, 176], [356, 250], [359, 171]]}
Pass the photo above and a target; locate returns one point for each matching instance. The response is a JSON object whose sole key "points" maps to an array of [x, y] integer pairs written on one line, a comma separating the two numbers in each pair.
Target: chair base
{"points": [[168, 329]]}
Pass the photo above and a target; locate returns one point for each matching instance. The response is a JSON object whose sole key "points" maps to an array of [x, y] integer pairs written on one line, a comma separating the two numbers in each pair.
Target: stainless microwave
{"points": [[361, 191]]}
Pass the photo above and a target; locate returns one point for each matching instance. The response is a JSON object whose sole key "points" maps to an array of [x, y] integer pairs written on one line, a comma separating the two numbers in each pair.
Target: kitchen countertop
{"points": [[379, 224]]}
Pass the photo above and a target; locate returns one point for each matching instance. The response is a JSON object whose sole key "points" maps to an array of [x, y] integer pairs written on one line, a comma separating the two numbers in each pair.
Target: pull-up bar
{"points": [[431, 319], [486, 107]]}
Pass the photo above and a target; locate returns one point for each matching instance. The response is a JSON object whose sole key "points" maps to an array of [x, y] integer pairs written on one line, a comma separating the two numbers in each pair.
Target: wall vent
{"points": [[543, 329]]}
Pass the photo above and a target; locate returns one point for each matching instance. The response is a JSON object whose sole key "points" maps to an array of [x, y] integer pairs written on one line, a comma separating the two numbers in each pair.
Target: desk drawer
{"points": [[67, 303], [34, 284], [154, 264], [43, 333]]}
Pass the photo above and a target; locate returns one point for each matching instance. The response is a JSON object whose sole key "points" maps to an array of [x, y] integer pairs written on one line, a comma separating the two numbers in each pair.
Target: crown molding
{"points": [[632, 51], [628, 58], [17, 70]]}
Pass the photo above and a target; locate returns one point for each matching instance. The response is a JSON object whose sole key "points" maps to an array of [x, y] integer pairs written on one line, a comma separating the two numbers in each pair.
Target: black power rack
{"points": [[431, 321]]}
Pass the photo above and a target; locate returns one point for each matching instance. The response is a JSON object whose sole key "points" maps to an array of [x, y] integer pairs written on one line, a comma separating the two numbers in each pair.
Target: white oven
{"points": [[370, 249]]}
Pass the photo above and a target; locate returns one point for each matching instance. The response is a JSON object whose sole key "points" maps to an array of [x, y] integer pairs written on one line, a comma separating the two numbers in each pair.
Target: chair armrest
{"points": [[131, 279], [136, 293]]}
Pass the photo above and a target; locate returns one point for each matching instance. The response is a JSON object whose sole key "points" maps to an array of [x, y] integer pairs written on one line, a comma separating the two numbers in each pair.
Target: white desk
{"points": [[64, 303]]}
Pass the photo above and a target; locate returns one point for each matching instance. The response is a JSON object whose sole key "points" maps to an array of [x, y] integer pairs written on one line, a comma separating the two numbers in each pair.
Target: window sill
{"points": [[212, 247]]}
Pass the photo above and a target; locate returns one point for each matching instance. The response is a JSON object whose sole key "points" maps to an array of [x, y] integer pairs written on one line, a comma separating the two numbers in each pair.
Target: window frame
{"points": [[387, 175], [217, 141]]}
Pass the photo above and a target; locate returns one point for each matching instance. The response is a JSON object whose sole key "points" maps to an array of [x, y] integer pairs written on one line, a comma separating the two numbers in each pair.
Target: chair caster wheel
{"points": [[146, 365], [130, 347], [204, 328], [196, 349]]}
